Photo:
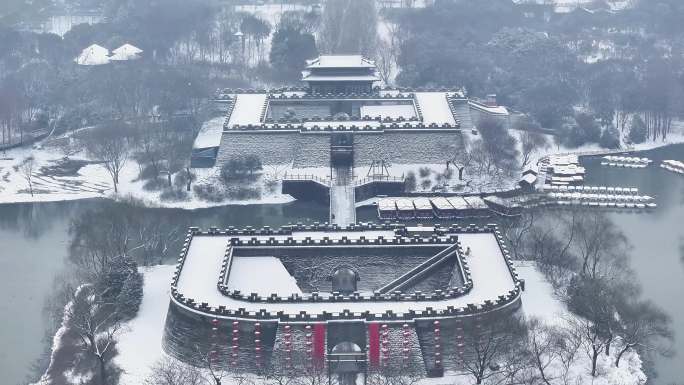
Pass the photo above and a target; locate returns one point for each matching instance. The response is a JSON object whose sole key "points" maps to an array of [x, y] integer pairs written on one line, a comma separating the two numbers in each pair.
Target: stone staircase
{"points": [[342, 199], [461, 111]]}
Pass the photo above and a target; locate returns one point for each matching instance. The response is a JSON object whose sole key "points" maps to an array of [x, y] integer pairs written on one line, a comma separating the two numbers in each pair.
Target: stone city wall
{"points": [[304, 150], [408, 147], [504, 300], [313, 149], [239, 340]]}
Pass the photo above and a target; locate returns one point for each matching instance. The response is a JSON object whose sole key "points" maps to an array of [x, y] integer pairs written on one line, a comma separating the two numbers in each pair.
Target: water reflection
{"points": [[36, 240], [658, 240], [34, 219]]}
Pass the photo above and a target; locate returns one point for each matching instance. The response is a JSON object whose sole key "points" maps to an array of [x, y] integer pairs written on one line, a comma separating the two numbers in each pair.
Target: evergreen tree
{"points": [[130, 297], [290, 49], [610, 138], [638, 131]]}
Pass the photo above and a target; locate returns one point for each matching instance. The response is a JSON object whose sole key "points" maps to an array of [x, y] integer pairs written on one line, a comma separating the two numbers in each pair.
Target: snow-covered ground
{"points": [[676, 136], [247, 273], [565, 6], [93, 181], [539, 301], [140, 345]]}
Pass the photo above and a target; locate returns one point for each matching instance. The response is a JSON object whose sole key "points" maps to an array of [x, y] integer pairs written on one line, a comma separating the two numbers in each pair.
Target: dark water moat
{"points": [[34, 239]]}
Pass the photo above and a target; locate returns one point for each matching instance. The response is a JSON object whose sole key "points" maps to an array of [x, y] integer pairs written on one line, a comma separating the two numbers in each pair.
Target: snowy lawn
{"points": [[140, 346], [93, 181]]}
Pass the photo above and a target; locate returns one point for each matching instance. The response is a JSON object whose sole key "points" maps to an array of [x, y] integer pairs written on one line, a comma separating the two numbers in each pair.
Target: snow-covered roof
{"points": [[394, 111], [210, 133], [404, 204], [340, 61], [422, 204], [247, 109], [529, 178], [475, 202], [246, 275], [431, 106], [441, 203], [489, 272], [493, 110], [309, 77], [464, 203], [458, 203], [93, 55], [126, 52], [386, 204], [434, 107]]}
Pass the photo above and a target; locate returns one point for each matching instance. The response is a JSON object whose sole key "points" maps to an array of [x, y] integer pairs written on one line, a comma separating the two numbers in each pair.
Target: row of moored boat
{"points": [[673, 165]]}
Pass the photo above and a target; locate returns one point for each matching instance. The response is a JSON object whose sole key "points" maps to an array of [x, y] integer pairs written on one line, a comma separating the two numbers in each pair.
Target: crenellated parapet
{"points": [[333, 306]]}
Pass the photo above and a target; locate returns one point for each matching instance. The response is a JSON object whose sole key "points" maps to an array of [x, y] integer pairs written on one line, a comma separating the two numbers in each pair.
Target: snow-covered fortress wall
{"points": [[406, 147], [272, 147], [313, 149]]}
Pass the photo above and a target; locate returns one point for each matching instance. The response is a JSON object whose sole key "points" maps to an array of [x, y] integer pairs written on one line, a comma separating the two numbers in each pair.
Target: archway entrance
{"points": [[347, 360]]}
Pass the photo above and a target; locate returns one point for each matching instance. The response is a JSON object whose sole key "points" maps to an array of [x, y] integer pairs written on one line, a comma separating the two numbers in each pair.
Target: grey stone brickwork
{"points": [[399, 147], [313, 149], [305, 150]]}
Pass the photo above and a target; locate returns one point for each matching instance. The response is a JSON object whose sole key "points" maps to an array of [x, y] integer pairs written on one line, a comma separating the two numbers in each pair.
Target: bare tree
{"points": [[349, 26], [489, 346], [516, 231], [531, 142], [569, 344], [384, 60], [545, 346], [593, 342], [169, 371], [95, 244], [26, 167], [316, 375], [97, 326], [108, 145], [644, 327], [497, 149], [594, 301], [549, 244], [462, 159], [600, 246]]}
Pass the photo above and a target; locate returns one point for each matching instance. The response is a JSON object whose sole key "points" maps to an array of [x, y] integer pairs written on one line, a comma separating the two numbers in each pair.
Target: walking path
{"points": [[342, 197]]}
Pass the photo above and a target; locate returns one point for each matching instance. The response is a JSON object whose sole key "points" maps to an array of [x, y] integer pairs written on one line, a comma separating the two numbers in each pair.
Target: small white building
{"points": [[126, 52], [93, 55]]}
